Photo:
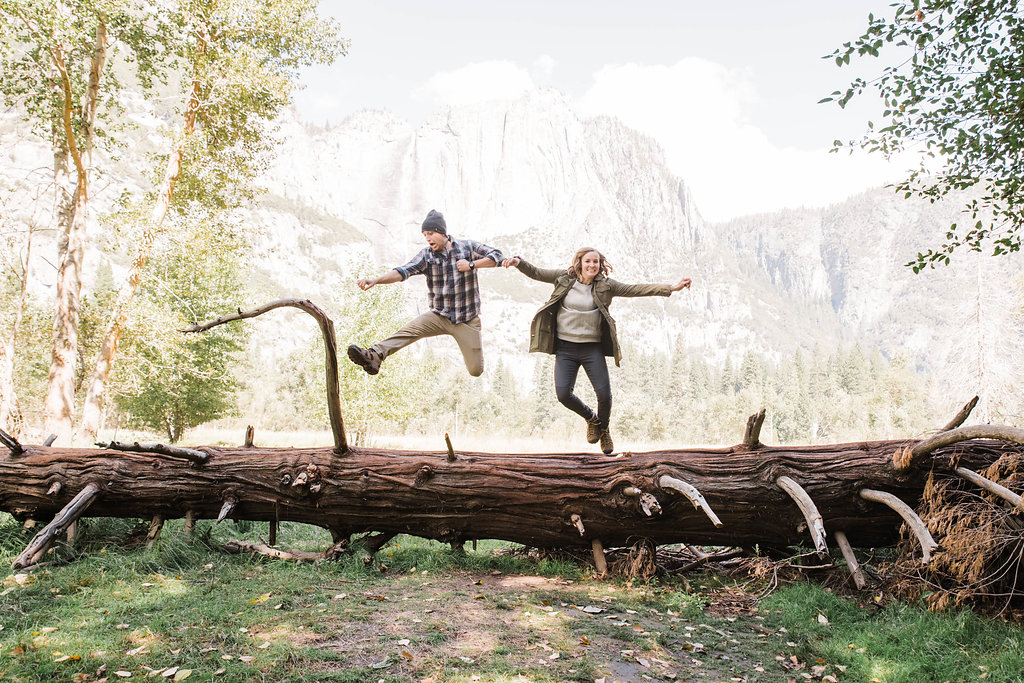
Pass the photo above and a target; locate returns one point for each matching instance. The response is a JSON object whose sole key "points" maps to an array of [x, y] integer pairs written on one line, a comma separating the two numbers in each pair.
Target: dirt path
{"points": [[491, 627]]}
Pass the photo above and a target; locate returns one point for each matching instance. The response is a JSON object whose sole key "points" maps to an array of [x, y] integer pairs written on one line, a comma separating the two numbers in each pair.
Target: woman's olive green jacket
{"points": [[543, 337]]}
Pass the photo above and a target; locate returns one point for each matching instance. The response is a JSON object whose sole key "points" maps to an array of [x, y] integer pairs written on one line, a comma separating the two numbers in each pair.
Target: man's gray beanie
{"points": [[435, 223]]}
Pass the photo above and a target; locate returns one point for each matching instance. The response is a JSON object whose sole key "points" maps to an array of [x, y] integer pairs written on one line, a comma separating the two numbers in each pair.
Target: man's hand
{"points": [[365, 284], [463, 265], [511, 262], [682, 284]]}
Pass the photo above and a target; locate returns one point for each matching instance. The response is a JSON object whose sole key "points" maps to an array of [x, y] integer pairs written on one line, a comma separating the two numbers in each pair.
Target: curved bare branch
{"points": [[992, 487], [904, 460], [691, 492], [928, 544], [330, 350], [815, 524]]}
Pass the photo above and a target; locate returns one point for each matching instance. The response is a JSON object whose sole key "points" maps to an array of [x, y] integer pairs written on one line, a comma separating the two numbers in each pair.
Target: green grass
{"points": [[896, 643], [421, 610]]}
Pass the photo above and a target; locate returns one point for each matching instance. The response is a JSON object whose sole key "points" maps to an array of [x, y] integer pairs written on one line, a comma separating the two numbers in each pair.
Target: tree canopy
{"points": [[954, 89]]}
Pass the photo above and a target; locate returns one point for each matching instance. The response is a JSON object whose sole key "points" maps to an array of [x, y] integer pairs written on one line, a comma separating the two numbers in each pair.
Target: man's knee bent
{"points": [[475, 367]]}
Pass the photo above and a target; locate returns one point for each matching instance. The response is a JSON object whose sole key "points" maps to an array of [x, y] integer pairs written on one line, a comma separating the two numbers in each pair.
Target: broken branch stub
{"points": [[752, 434], [600, 561], [959, 418], [226, 509], [12, 444]]}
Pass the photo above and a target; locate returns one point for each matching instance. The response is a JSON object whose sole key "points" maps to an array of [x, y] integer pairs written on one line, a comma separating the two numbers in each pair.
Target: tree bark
{"points": [[557, 499], [60, 394]]}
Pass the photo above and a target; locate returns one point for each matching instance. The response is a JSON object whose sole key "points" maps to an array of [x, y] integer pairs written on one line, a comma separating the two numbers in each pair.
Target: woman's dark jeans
{"points": [[569, 356]]}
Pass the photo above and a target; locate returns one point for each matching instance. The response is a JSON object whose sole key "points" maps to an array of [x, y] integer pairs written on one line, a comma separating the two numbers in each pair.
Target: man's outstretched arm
{"points": [[387, 278], [463, 265]]}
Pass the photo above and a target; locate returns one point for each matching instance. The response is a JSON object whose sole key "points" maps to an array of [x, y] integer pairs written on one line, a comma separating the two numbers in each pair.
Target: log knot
{"points": [[423, 475]]}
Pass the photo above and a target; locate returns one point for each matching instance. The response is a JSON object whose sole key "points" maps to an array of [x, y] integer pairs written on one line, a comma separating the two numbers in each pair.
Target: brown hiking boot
{"points": [[367, 359], [607, 445], [593, 430]]}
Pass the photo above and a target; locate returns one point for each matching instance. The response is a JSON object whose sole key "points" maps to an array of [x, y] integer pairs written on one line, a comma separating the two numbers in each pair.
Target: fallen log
{"points": [[556, 499]]}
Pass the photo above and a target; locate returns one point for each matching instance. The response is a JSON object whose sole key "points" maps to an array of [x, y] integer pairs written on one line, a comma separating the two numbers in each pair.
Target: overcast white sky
{"points": [[730, 90]]}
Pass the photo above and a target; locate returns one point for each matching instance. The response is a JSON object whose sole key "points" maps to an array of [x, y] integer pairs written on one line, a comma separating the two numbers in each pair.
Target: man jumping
{"points": [[450, 266]]}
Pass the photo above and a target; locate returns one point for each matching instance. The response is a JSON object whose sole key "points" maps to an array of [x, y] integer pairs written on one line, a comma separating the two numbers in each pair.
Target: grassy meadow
{"points": [[109, 608]]}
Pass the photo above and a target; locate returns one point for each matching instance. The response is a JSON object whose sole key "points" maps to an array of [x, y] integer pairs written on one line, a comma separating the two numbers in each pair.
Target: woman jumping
{"points": [[575, 325]]}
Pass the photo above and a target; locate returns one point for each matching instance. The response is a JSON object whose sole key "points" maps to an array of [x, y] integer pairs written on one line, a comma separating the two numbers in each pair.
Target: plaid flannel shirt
{"points": [[451, 293]]}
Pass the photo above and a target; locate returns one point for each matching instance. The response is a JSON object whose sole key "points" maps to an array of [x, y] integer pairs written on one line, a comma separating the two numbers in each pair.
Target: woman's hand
{"points": [[510, 262], [682, 284]]}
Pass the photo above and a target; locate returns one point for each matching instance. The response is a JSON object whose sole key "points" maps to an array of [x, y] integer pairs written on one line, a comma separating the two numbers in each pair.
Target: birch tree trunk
{"points": [[60, 395], [92, 410]]}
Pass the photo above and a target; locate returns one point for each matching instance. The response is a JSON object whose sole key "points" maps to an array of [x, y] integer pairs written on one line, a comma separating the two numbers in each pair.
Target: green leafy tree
{"points": [[237, 62], [953, 90], [60, 66], [177, 381]]}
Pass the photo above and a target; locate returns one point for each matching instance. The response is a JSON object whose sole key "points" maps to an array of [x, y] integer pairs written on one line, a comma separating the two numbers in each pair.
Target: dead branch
{"points": [[191, 454], [815, 524], [12, 444], [928, 544], [851, 559], [600, 562], [992, 487], [907, 459], [330, 351], [691, 492], [959, 418], [239, 547], [38, 546]]}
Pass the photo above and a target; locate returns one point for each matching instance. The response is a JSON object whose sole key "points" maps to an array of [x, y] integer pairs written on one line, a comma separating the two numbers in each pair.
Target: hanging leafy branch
{"points": [[955, 92]]}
